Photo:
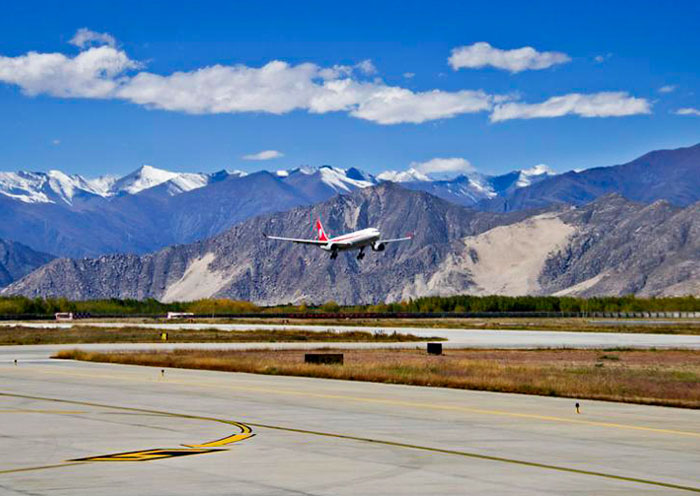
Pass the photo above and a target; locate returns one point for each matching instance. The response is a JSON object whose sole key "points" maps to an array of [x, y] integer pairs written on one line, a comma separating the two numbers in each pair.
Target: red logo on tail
{"points": [[321, 233]]}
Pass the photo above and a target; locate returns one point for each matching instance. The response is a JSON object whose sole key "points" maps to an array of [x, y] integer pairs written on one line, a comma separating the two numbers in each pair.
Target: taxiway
{"points": [[72, 428]]}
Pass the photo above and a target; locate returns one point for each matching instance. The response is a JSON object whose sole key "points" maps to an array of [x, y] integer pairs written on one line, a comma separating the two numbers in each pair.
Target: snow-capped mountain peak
{"points": [[58, 187], [338, 179], [65, 186], [145, 177], [103, 185], [186, 182], [48, 187], [24, 186]]}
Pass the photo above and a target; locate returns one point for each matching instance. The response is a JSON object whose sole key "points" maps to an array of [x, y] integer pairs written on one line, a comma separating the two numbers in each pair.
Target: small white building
{"points": [[60, 316], [180, 315]]}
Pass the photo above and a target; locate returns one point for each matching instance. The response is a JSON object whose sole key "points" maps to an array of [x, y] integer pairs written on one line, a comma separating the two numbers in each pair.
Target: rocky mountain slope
{"points": [[18, 260], [611, 246], [623, 247]]}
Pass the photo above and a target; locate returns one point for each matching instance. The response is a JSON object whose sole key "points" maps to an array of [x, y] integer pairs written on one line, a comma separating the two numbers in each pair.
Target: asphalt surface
{"points": [[456, 338], [70, 428]]}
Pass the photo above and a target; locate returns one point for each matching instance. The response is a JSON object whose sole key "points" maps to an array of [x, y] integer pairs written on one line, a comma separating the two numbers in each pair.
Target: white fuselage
{"points": [[352, 241]]}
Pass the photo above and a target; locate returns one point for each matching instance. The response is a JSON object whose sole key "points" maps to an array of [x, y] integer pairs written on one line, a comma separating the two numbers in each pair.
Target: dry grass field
{"points": [[85, 334], [668, 377]]}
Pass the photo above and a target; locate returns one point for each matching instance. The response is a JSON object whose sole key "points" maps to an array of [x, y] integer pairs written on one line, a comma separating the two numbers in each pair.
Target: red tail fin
{"points": [[321, 233]]}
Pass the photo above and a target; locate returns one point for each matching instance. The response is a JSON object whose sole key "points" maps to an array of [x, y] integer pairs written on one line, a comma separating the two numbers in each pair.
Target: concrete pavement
{"points": [[320, 437]]}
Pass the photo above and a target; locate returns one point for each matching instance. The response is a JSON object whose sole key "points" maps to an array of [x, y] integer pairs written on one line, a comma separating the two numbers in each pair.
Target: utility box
{"points": [[324, 358], [434, 348]]}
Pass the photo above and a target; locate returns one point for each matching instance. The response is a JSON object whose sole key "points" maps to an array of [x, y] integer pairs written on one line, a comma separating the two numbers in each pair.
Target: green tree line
{"points": [[19, 305], [467, 303]]}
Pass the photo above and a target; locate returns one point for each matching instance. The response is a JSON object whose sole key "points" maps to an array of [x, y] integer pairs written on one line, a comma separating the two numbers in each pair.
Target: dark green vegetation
{"points": [[18, 305], [668, 377], [89, 334], [466, 303]]}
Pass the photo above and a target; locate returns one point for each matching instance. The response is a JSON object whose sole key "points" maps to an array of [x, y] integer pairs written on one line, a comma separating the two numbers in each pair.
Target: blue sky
{"points": [[609, 59]]}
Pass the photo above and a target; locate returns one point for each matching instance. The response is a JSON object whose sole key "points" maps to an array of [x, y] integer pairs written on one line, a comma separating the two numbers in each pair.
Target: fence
{"points": [[355, 316]]}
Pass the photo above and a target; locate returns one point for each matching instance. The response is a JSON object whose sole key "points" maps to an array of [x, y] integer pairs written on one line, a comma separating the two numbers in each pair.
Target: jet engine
{"points": [[378, 246]]}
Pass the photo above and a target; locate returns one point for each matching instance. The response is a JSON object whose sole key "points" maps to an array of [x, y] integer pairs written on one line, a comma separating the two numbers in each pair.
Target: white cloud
{"points": [[393, 105], [442, 166], [669, 88], [277, 88], [56, 142], [264, 155], [409, 75], [604, 104], [687, 111], [482, 54], [93, 73], [367, 67], [602, 58], [84, 37]]}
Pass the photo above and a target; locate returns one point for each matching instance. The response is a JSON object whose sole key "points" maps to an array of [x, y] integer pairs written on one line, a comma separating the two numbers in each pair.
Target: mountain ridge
{"points": [[456, 250], [672, 175], [151, 208]]}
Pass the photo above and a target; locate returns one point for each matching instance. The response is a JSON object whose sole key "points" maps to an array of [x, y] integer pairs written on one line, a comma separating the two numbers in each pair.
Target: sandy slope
{"points": [[508, 260]]}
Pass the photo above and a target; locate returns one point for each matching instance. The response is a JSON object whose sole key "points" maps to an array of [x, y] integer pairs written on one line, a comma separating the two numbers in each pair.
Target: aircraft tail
{"points": [[320, 232]]}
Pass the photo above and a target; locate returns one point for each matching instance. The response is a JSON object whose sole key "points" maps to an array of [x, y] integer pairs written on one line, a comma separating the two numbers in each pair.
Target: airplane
{"points": [[358, 240]]}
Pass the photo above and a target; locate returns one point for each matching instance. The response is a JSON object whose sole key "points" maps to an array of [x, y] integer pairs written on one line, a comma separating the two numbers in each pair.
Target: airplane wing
{"points": [[296, 240], [407, 238]]}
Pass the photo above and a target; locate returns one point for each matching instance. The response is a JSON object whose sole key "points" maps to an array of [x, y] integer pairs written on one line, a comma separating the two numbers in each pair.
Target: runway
{"points": [[71, 428], [456, 338]]}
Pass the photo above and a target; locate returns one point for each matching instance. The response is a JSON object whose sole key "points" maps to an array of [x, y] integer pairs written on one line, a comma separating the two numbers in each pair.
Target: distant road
{"points": [[456, 338]]}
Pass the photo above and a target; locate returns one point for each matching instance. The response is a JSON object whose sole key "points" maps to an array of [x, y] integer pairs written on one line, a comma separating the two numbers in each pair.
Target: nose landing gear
{"points": [[361, 255]]}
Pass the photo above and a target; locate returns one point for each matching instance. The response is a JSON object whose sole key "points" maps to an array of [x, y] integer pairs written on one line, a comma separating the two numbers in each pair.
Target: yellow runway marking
{"points": [[142, 455], [339, 436], [145, 455], [385, 401], [224, 441]]}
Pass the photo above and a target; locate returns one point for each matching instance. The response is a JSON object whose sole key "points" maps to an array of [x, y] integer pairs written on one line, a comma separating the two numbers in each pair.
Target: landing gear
{"points": [[334, 255], [361, 255]]}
